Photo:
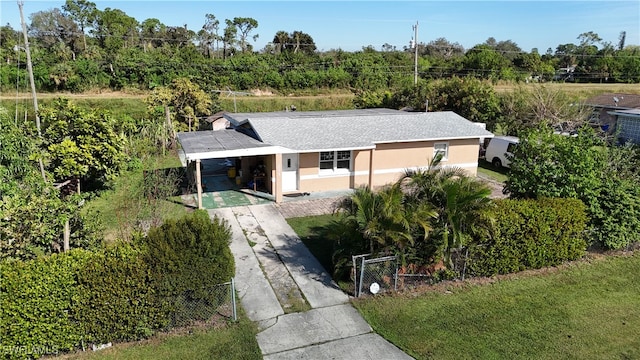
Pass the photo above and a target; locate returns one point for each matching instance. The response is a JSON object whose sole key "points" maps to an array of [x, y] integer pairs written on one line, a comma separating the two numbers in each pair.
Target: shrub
{"points": [[115, 298], [187, 257], [529, 234], [125, 292], [35, 300]]}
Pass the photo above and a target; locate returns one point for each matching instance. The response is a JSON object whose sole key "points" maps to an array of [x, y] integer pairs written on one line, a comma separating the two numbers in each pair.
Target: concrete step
{"points": [[317, 326]]}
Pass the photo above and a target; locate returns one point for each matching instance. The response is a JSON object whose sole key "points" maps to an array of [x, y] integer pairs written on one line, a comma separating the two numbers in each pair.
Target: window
{"points": [[441, 148], [331, 161]]}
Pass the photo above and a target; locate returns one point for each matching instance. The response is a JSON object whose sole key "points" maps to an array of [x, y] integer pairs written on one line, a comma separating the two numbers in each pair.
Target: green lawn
{"points": [[485, 168], [309, 230], [233, 341], [589, 310]]}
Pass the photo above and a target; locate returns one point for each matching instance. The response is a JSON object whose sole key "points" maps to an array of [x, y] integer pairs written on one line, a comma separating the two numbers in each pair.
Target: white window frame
{"points": [[445, 157], [334, 168]]}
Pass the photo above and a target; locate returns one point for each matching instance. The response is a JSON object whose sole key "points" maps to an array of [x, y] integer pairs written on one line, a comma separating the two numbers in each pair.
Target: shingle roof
{"points": [[625, 101], [208, 141], [354, 129]]}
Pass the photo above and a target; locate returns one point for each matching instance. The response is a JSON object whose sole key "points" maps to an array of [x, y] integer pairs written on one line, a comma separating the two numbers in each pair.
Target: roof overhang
{"points": [[265, 150], [201, 145], [630, 113], [435, 139]]}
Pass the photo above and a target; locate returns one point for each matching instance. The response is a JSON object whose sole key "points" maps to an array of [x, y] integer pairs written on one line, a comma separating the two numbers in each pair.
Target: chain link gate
{"points": [[374, 276]]}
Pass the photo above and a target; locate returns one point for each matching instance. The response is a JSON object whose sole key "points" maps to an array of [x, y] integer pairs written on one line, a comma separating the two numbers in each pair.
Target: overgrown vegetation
{"points": [[121, 52], [583, 167], [127, 291]]}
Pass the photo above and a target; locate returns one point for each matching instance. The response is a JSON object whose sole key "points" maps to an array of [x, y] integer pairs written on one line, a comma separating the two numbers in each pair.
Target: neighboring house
{"points": [[299, 152], [605, 104], [627, 125]]}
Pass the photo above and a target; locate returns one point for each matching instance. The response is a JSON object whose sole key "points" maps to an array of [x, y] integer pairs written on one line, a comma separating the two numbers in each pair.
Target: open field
{"points": [[578, 89]]}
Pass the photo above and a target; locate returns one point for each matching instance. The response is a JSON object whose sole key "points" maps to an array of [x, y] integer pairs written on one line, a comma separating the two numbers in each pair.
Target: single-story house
{"points": [[300, 152], [605, 104]]}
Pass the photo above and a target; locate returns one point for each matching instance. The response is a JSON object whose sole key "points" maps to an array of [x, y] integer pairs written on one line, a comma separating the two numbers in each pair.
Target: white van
{"points": [[498, 149]]}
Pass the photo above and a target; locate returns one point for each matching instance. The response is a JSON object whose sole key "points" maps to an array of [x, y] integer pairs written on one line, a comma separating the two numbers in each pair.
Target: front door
{"points": [[289, 172]]}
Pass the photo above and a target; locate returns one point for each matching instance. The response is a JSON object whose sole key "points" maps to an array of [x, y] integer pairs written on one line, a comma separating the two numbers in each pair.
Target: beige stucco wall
{"points": [[389, 164]]}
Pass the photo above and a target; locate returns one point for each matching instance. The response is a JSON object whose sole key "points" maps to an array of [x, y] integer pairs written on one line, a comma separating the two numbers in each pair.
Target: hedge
{"points": [[530, 234], [125, 292], [116, 300], [36, 298]]}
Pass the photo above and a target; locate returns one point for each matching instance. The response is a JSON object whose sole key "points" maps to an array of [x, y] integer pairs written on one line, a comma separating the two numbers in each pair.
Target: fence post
{"points": [[361, 276], [233, 299], [395, 277]]}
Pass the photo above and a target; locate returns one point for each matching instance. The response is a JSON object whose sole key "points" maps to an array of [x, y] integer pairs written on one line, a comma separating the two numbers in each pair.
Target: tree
{"points": [[51, 28], [32, 212], [604, 178], [529, 108], [443, 49], [385, 221], [152, 32], [458, 199], [187, 100], [245, 26], [281, 39], [115, 30], [83, 12], [208, 35], [485, 62], [81, 144], [229, 37]]}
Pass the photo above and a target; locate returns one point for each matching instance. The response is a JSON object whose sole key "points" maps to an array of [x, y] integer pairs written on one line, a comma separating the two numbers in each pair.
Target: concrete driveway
{"points": [[300, 311]]}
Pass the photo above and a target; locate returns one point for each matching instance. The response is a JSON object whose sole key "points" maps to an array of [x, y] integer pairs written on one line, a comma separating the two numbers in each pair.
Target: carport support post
{"points": [[278, 175], [199, 183]]}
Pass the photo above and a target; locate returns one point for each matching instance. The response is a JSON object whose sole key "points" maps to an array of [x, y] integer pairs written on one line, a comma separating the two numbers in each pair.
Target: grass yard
{"points": [[587, 310], [308, 229], [485, 168], [233, 341]]}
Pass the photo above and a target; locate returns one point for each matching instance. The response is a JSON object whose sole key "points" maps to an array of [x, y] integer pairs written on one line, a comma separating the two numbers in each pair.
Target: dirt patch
{"points": [[495, 186], [259, 92]]}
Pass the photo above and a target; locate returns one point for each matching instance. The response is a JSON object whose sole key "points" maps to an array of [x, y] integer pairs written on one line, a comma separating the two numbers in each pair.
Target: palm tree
{"points": [[385, 220], [458, 198], [465, 199]]}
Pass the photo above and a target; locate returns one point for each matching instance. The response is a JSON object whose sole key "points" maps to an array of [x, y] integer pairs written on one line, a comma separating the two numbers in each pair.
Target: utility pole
{"points": [[33, 84], [415, 45]]}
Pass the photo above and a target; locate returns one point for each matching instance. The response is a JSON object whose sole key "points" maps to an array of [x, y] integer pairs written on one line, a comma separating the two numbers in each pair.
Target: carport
{"points": [[244, 151]]}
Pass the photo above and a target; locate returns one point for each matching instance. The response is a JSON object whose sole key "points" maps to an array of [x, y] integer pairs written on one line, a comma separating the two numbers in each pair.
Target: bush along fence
{"points": [[176, 276], [524, 234]]}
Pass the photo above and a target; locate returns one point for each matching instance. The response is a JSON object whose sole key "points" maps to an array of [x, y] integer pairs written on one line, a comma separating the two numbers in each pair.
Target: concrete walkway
{"points": [[276, 275]]}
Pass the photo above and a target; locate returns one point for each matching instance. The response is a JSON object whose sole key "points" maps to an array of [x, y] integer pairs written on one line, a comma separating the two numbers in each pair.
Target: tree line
{"points": [[78, 47]]}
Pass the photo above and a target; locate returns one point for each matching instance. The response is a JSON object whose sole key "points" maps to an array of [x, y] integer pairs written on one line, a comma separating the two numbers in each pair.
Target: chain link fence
{"points": [[374, 276], [203, 306], [379, 275]]}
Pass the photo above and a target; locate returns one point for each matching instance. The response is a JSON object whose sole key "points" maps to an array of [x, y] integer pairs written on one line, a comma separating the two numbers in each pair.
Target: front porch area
{"points": [[219, 191]]}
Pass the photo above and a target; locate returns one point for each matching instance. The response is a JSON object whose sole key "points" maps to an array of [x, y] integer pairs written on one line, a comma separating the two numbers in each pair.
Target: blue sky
{"points": [[350, 25]]}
